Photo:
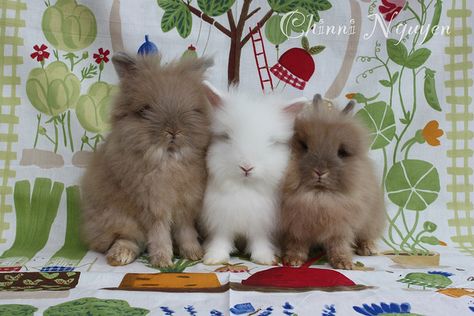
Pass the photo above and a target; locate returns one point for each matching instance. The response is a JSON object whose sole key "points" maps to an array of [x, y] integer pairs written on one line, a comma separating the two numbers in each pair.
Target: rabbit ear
{"points": [[123, 63], [198, 64], [317, 100], [212, 95], [349, 107], [295, 107]]}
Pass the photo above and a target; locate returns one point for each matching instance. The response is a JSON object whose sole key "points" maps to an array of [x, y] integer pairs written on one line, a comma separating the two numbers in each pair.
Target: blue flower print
{"points": [[243, 308], [167, 311], [392, 309], [329, 310]]}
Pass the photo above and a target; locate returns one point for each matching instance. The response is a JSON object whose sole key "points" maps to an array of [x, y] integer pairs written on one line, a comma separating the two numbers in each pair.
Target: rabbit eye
{"points": [[279, 143], [224, 137], [143, 111], [342, 152], [198, 111], [303, 145]]}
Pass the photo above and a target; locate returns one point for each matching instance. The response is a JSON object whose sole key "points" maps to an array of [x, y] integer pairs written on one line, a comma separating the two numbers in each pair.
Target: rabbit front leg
{"points": [[187, 239], [218, 249], [366, 248], [339, 252], [122, 252], [295, 250], [160, 244], [261, 249]]}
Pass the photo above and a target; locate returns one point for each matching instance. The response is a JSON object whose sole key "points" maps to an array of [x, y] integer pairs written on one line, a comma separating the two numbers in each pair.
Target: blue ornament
{"points": [[148, 48]]}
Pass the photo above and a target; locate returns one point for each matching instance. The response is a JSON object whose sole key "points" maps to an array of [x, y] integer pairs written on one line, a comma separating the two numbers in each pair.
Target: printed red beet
{"points": [[302, 277], [296, 65]]}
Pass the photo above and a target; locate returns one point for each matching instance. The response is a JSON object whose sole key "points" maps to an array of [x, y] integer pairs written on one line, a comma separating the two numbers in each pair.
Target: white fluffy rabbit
{"points": [[246, 161]]}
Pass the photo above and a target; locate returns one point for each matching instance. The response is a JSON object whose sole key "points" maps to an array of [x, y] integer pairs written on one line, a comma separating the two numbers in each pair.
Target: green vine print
{"points": [[411, 184]]}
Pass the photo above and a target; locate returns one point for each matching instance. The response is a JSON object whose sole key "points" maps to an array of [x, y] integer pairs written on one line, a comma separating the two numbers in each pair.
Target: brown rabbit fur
{"points": [[145, 184], [331, 196]]}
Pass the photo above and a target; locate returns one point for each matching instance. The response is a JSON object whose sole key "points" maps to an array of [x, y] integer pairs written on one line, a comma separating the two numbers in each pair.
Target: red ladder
{"points": [[256, 36]]}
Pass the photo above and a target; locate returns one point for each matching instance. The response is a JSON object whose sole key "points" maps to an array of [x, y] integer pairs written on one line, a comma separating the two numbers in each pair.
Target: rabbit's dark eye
{"points": [[143, 111], [198, 111], [303, 145], [342, 152], [224, 137]]}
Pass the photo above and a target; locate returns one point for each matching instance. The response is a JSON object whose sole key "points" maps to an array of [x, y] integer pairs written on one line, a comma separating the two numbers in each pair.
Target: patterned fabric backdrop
{"points": [[407, 64]]}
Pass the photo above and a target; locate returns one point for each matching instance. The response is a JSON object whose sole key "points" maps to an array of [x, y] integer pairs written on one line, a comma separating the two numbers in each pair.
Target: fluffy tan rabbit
{"points": [[331, 195], [144, 186]]}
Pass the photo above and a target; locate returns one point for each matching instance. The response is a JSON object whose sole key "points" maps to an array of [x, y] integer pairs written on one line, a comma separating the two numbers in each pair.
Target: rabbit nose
{"points": [[246, 169], [320, 173], [172, 134]]}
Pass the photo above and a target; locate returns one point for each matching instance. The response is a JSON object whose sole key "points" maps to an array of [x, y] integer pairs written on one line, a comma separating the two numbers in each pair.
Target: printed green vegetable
{"points": [[435, 21], [273, 30], [17, 310], [53, 89], [430, 90], [93, 108], [95, 306], [69, 26], [35, 213]]}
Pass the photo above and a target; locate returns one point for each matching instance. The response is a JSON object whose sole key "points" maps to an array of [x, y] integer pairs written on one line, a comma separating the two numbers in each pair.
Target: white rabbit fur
{"points": [[248, 131]]}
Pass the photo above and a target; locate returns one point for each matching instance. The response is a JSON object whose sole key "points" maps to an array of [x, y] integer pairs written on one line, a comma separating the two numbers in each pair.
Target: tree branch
{"points": [[260, 23], [252, 13], [208, 19], [243, 14], [230, 17]]}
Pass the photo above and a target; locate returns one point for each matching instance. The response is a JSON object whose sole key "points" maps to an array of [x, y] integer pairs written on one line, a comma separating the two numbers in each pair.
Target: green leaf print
{"points": [[380, 120], [412, 184], [215, 7], [397, 52], [385, 83], [313, 6], [177, 16], [283, 6], [417, 58], [429, 226], [430, 240]]}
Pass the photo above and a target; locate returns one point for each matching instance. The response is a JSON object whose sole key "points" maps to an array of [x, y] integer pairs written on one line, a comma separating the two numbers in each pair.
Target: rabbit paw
{"points": [[191, 252], [119, 254], [293, 260], [341, 262], [216, 257], [366, 248], [264, 258], [161, 260]]}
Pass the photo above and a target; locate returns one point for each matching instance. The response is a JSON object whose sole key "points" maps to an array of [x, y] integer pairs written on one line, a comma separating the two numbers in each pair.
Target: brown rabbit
{"points": [[145, 184], [331, 196]]}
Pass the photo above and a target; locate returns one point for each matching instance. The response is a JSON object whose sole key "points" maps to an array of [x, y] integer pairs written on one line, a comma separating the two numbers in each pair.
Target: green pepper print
{"points": [[430, 90]]}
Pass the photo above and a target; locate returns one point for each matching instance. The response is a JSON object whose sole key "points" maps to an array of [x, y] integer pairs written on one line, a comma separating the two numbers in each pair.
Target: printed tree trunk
{"points": [[235, 32], [178, 14]]}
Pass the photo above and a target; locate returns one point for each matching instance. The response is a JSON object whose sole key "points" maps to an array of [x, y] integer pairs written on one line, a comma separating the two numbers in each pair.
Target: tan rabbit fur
{"points": [[331, 196], [145, 184]]}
